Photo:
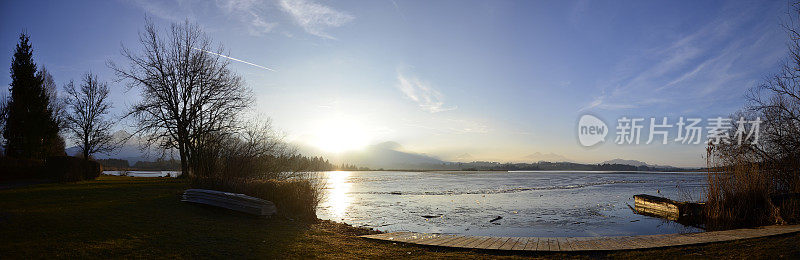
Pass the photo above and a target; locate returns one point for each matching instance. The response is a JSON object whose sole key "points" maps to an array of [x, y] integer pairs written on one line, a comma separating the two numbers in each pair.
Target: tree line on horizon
{"points": [[313, 163]]}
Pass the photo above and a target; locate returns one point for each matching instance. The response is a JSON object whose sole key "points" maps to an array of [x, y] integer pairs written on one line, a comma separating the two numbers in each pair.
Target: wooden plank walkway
{"points": [[562, 244]]}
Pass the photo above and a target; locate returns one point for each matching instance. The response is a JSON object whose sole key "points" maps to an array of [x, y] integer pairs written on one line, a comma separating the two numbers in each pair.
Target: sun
{"points": [[338, 136]]}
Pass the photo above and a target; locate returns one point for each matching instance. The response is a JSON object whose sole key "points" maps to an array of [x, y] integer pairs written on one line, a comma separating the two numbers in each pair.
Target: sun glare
{"points": [[340, 136], [337, 198]]}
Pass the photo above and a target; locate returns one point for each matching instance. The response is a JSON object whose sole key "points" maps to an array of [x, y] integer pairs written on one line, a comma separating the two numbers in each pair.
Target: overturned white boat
{"points": [[232, 201]]}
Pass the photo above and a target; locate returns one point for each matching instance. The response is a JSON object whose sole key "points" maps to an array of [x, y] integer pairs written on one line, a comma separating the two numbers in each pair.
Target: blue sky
{"points": [[460, 80]]}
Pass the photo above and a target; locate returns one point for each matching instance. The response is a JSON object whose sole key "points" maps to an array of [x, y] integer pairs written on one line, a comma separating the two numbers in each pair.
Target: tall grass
{"points": [[256, 162], [296, 198], [744, 191]]}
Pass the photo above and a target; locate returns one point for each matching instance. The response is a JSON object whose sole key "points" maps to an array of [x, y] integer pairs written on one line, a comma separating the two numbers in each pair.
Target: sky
{"points": [[459, 80]]}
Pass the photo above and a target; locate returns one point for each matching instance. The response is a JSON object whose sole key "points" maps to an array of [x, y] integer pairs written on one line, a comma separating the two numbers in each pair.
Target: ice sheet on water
{"points": [[530, 203], [499, 190]]}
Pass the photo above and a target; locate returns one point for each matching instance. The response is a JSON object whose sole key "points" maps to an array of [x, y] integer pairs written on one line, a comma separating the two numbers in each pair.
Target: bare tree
{"points": [[777, 102], [761, 176], [3, 115], [57, 104], [257, 151], [189, 97], [87, 106]]}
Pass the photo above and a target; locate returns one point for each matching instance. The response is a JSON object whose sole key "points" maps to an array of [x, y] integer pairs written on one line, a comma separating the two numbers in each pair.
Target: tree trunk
{"points": [[86, 145], [184, 163]]}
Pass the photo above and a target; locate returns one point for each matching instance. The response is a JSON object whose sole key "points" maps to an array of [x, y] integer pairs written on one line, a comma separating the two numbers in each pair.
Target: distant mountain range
{"points": [[625, 162], [390, 155], [547, 157], [635, 163]]}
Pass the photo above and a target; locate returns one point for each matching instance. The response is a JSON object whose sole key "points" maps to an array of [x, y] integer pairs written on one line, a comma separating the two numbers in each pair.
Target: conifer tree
{"points": [[31, 130]]}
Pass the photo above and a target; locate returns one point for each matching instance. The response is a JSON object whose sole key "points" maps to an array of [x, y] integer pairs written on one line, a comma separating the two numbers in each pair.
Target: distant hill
{"points": [[386, 155], [635, 163], [390, 155], [625, 162], [555, 166], [547, 157]]}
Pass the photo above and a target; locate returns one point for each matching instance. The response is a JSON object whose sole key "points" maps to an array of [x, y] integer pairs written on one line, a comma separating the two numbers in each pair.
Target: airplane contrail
{"points": [[235, 59]]}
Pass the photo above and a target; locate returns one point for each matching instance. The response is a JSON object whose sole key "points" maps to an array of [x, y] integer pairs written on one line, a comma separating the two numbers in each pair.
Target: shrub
{"points": [[20, 168], [257, 162], [67, 169], [746, 191], [92, 170], [59, 168], [296, 197]]}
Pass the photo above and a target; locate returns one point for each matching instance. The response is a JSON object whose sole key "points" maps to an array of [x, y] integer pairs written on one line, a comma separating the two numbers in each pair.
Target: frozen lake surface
{"points": [[537, 203]]}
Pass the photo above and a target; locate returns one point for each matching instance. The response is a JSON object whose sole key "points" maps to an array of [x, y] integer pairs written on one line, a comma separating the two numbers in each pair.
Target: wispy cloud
{"points": [[250, 12], [259, 17], [421, 92], [315, 18], [449, 126], [397, 8], [699, 67], [176, 11], [599, 103], [234, 59]]}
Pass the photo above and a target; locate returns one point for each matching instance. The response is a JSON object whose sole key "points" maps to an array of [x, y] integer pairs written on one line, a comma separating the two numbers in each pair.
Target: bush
{"points": [[67, 169], [92, 170], [258, 163], [745, 190], [294, 197], [59, 168], [20, 168], [63, 168], [738, 196]]}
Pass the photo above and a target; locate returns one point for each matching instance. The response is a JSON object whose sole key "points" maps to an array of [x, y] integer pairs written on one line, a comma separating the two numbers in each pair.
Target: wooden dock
{"points": [[562, 244]]}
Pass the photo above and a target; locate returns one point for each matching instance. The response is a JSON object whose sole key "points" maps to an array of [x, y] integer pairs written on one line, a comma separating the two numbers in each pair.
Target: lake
{"points": [[530, 203]]}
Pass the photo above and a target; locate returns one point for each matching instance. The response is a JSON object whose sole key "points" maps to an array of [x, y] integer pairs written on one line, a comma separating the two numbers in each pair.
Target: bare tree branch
{"points": [[87, 107], [188, 95]]}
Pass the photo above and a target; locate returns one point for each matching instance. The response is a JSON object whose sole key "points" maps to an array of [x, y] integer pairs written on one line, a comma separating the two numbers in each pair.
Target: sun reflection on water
{"points": [[337, 198]]}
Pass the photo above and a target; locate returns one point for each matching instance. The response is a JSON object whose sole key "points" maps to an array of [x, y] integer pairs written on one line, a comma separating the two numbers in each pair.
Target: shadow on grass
{"points": [[123, 216]]}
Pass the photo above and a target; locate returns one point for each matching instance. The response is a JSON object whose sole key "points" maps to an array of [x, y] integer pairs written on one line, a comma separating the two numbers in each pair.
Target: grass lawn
{"points": [[143, 217]]}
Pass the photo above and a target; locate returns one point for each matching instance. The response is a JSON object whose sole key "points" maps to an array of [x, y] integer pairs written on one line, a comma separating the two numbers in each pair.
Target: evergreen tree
{"points": [[31, 130]]}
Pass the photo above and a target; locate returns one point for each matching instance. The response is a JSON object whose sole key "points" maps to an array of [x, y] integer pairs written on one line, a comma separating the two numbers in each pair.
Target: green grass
{"points": [[125, 217]]}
